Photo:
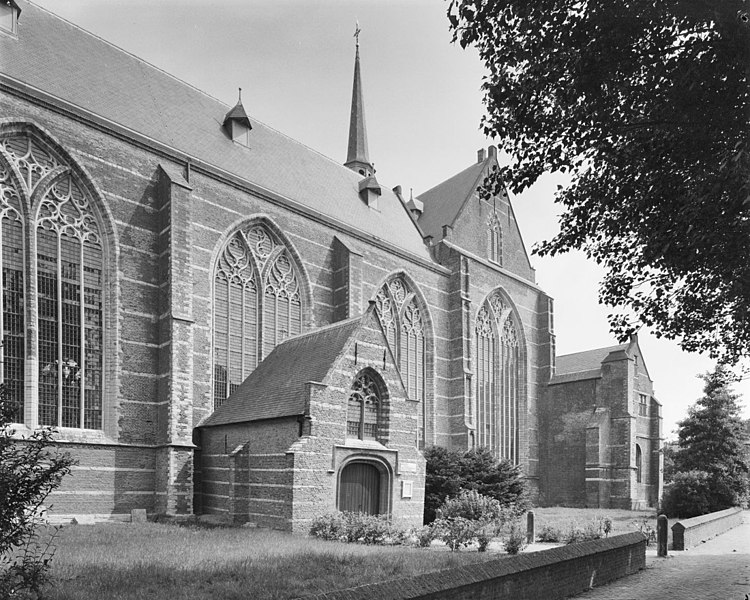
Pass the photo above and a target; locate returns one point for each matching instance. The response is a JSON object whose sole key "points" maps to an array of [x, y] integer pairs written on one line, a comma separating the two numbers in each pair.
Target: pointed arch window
{"points": [[403, 323], [638, 464], [495, 240], [364, 408], [257, 304], [498, 377], [68, 268]]}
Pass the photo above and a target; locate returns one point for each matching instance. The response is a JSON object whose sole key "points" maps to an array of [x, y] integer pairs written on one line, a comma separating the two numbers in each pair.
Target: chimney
{"points": [[480, 155], [492, 151]]}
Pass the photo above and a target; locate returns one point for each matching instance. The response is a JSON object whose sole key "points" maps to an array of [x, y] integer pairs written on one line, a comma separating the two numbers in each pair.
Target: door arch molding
{"points": [[385, 481]]}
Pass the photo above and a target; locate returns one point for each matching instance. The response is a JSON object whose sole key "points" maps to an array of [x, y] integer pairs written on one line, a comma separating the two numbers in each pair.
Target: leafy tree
{"points": [[646, 106], [30, 468], [449, 472], [689, 495], [710, 440]]}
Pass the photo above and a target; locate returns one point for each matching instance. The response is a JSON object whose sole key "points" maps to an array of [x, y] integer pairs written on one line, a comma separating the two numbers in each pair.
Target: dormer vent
{"points": [[415, 205], [9, 13], [369, 191], [237, 123]]}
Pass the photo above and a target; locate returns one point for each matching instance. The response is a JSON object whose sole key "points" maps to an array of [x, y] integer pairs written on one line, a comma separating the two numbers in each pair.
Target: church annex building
{"points": [[213, 332]]}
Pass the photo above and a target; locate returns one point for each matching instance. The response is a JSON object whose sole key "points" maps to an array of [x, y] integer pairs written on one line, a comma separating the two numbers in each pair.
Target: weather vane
{"points": [[357, 31]]}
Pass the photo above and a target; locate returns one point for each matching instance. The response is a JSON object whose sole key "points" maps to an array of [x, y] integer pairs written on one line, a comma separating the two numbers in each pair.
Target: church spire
{"points": [[357, 157]]}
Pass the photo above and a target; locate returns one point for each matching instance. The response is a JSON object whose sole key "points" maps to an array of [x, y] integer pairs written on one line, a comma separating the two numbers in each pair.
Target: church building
{"points": [[213, 332]]}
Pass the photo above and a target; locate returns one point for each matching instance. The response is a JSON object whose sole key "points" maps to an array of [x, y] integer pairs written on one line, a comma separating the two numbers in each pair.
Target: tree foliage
{"points": [[30, 469], [449, 472], [646, 106], [710, 441]]}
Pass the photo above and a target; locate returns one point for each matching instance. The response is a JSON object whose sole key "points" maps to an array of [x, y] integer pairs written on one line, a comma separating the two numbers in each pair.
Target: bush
{"points": [[448, 472], [577, 533], [689, 495], [30, 469], [425, 535], [515, 541], [356, 527], [456, 532], [549, 534]]}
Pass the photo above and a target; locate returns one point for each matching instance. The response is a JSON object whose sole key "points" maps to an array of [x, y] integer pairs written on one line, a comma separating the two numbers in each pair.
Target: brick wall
{"points": [[690, 532], [546, 575]]}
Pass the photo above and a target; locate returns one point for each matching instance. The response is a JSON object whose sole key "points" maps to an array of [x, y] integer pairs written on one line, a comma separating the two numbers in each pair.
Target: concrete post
{"points": [[530, 528], [662, 531]]}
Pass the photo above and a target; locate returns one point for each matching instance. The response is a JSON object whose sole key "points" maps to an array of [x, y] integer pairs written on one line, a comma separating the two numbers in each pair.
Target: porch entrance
{"points": [[359, 488]]}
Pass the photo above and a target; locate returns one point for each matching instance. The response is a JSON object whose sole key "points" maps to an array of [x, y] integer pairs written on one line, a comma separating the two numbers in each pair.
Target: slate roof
{"points": [[276, 388], [66, 62], [583, 365], [443, 202]]}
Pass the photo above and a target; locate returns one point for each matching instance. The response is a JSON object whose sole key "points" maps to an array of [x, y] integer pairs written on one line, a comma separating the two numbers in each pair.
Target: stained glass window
{"points": [[401, 319], [257, 304], [363, 408], [68, 269], [497, 379]]}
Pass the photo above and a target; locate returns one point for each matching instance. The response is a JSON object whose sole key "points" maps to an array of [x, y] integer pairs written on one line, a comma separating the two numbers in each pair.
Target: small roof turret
{"points": [[236, 121]]}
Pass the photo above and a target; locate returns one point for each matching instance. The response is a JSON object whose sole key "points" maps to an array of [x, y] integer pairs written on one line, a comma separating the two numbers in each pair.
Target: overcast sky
{"points": [[294, 61]]}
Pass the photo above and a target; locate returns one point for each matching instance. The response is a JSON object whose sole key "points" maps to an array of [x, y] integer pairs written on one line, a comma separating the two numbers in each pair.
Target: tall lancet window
{"points": [[12, 298], [69, 292], [498, 377], [67, 308], [494, 240], [404, 327], [257, 304]]}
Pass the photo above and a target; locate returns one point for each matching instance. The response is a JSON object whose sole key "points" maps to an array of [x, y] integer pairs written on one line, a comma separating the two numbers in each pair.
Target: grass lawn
{"points": [[151, 560], [623, 521]]}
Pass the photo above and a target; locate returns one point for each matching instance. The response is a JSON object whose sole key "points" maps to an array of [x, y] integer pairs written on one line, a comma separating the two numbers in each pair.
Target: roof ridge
{"points": [[321, 329], [185, 83], [615, 347]]}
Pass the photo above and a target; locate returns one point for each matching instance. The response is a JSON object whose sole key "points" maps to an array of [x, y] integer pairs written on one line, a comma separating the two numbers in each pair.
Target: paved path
{"points": [[719, 569]]}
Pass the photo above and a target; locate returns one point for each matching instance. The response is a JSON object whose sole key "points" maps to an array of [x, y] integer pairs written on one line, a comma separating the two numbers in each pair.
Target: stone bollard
{"points": [[530, 531], [662, 531]]}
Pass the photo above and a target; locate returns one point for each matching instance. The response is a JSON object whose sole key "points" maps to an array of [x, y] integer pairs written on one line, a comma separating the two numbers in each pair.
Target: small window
{"points": [[638, 464], [642, 405], [363, 410], [8, 16]]}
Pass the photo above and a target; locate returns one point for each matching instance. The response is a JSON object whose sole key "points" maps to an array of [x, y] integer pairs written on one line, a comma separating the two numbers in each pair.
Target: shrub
{"points": [[577, 533], [471, 517], [549, 534], [356, 527], [425, 535], [30, 469], [689, 495], [448, 472], [515, 541], [456, 532]]}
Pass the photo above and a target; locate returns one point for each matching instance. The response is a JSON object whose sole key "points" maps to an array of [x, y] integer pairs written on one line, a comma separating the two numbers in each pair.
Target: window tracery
{"points": [[363, 408], [257, 304], [69, 301], [498, 376], [403, 324], [494, 240]]}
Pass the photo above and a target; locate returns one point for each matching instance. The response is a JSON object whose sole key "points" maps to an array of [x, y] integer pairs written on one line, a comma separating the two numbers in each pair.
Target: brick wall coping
{"points": [[445, 583], [714, 516]]}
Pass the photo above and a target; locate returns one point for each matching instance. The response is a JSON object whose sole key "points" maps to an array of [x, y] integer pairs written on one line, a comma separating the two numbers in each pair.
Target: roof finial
{"points": [[357, 31], [240, 96]]}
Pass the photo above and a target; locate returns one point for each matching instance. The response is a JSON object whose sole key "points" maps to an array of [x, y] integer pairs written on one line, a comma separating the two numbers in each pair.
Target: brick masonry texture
{"points": [[165, 222], [546, 575], [688, 533]]}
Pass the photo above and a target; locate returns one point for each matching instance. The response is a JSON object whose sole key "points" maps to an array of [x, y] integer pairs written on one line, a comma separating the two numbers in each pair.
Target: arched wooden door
{"points": [[359, 489]]}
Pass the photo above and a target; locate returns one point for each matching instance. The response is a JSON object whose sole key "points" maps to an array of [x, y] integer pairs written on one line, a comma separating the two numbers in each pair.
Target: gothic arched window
{"points": [[404, 328], [363, 413], [638, 464], [257, 304], [68, 268], [495, 240], [498, 377]]}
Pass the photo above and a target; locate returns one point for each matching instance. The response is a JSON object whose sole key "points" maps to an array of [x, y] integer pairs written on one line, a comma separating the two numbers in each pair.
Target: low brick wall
{"points": [[546, 575], [691, 532]]}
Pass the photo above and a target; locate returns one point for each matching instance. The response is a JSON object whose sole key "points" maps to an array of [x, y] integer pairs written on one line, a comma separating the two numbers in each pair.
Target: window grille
{"points": [[69, 292], [401, 319], [498, 373], [12, 298], [363, 408], [257, 304]]}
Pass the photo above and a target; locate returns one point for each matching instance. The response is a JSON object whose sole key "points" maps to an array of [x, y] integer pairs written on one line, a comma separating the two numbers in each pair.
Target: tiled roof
{"points": [[443, 202], [584, 363], [66, 62], [277, 386]]}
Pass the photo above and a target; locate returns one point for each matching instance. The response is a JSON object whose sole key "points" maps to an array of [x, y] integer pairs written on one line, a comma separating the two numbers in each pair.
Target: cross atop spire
{"points": [[357, 158]]}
